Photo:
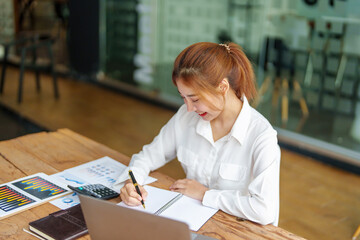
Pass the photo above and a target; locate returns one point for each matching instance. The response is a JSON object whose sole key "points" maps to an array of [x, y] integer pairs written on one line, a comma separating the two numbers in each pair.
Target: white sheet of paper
{"points": [[104, 170], [190, 211], [69, 179]]}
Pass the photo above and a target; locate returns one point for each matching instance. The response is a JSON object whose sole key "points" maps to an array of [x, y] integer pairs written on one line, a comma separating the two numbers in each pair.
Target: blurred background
{"points": [[305, 54]]}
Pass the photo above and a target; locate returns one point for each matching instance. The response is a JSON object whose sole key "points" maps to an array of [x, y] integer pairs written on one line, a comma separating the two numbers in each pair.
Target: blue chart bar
{"points": [[11, 199], [39, 187]]}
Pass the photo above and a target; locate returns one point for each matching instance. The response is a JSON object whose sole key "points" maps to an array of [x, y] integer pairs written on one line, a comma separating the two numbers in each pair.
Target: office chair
{"points": [[30, 45]]}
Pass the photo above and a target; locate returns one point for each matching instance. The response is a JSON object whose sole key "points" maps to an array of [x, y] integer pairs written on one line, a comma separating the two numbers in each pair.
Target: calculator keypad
{"points": [[101, 191], [96, 190]]}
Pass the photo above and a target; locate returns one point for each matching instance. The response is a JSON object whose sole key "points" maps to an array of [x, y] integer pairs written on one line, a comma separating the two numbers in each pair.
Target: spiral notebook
{"points": [[175, 206]]}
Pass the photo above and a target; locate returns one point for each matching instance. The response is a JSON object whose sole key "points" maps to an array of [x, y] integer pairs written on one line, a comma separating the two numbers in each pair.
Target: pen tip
{"points": [[143, 205]]}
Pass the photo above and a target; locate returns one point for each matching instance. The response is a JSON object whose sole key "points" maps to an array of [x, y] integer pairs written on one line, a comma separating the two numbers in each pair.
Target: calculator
{"points": [[95, 190]]}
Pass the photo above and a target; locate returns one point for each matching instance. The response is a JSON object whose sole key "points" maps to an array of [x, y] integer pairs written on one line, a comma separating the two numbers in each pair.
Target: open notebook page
{"points": [[156, 199], [185, 209]]}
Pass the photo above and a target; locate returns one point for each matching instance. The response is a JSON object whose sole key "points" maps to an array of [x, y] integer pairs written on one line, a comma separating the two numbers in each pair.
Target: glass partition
{"points": [[305, 55]]}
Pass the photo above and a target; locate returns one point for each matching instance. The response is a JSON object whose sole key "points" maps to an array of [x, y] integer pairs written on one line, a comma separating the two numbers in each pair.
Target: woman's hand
{"points": [[129, 195], [190, 188]]}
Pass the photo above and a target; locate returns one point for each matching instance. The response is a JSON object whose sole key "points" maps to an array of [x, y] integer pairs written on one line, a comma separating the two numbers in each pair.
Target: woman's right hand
{"points": [[129, 195]]}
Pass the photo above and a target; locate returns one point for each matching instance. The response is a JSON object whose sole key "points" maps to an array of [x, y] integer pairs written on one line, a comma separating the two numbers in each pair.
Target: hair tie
{"points": [[226, 46]]}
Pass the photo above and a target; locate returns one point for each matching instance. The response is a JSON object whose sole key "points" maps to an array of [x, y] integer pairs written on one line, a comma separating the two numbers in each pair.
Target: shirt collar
{"points": [[203, 128], [239, 129]]}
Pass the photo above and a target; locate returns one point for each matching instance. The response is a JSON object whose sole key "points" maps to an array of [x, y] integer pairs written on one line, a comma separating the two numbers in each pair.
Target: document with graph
{"points": [[104, 170], [27, 192]]}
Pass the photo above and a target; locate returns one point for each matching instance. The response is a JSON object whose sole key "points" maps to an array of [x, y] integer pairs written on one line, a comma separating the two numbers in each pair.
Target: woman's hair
{"points": [[204, 65]]}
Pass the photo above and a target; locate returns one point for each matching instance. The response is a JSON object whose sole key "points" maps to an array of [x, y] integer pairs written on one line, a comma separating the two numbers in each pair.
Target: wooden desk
{"points": [[56, 151]]}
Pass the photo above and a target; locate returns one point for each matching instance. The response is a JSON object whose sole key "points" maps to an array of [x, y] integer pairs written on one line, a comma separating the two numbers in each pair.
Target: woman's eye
{"points": [[195, 100]]}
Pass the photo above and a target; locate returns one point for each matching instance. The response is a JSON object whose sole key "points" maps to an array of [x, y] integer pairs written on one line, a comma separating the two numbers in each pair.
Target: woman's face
{"points": [[195, 104]]}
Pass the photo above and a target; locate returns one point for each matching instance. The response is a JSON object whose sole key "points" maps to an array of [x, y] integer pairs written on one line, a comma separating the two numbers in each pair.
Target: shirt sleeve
{"points": [[261, 204], [154, 155]]}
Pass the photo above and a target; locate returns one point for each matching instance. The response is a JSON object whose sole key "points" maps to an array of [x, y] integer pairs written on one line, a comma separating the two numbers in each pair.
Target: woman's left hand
{"points": [[190, 188]]}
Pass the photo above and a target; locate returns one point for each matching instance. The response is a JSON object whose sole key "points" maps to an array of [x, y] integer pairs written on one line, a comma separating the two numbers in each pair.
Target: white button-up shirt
{"points": [[241, 169]]}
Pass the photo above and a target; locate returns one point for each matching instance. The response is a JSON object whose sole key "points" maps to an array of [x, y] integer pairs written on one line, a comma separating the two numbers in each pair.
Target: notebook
{"points": [[106, 221], [61, 225], [176, 206]]}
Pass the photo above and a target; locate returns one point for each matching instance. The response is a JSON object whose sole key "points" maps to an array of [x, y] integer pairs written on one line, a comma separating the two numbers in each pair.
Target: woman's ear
{"points": [[224, 85]]}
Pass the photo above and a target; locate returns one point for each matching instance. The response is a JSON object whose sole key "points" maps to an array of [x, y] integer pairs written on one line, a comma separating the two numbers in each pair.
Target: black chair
{"points": [[30, 45]]}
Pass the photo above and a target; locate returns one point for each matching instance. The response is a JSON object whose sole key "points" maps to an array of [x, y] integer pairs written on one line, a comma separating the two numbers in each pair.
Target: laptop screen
{"points": [[105, 220]]}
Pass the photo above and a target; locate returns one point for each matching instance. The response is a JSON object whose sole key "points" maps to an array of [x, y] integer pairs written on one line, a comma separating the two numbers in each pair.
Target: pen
{"points": [[136, 186], [357, 233]]}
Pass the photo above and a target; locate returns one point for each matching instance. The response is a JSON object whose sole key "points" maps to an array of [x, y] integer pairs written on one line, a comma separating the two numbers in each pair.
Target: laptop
{"points": [[107, 221]]}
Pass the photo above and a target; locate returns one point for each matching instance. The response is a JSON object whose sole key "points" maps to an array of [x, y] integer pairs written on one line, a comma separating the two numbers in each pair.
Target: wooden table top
{"points": [[52, 152]]}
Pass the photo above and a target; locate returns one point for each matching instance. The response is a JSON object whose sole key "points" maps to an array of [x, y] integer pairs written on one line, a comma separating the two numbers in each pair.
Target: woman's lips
{"points": [[203, 114]]}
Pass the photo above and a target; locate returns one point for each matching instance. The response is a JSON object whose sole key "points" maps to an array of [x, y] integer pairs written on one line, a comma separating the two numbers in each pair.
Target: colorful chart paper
{"points": [[28, 192], [39, 187], [11, 199]]}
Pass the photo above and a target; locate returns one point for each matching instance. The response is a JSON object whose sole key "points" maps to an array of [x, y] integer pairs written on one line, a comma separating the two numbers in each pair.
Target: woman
{"points": [[227, 149]]}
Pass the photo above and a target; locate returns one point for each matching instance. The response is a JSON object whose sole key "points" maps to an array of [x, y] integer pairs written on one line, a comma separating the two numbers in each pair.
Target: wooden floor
{"points": [[317, 201]]}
